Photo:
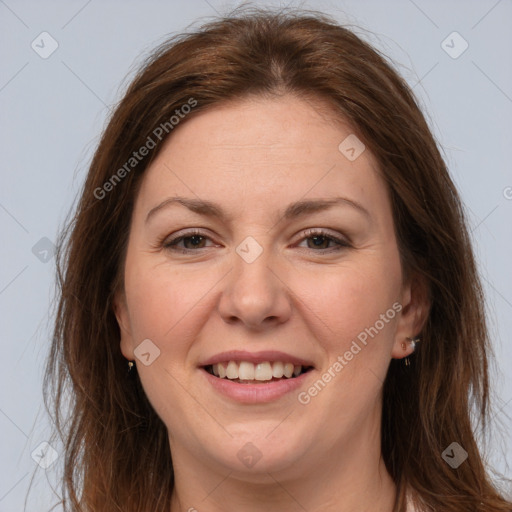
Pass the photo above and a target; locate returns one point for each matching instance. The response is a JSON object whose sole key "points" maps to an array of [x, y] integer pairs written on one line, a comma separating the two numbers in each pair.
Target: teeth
{"points": [[232, 370], [263, 371], [246, 371], [277, 370], [288, 370]]}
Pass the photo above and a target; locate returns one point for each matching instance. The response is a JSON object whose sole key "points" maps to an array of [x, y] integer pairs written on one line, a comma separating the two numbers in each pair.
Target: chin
{"points": [[252, 455]]}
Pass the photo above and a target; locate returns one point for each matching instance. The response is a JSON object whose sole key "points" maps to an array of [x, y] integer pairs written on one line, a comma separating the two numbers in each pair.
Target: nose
{"points": [[255, 293]]}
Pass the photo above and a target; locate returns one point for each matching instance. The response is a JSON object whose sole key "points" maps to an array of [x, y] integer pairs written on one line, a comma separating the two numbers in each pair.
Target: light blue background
{"points": [[53, 110]]}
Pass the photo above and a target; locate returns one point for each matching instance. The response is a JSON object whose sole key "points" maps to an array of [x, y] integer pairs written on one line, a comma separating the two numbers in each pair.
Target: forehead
{"points": [[263, 153], [260, 125]]}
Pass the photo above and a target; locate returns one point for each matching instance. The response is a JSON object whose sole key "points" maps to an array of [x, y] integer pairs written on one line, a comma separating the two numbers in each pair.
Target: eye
{"points": [[191, 240], [321, 239]]}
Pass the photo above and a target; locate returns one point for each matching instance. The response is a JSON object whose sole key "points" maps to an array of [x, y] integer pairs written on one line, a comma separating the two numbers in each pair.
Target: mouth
{"points": [[247, 372], [255, 377]]}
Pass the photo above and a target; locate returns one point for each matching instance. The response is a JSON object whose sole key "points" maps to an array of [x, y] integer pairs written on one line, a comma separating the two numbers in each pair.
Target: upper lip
{"points": [[255, 357]]}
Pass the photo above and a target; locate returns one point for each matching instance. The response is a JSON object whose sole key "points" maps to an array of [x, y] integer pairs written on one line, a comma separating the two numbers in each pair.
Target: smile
{"points": [[246, 372]]}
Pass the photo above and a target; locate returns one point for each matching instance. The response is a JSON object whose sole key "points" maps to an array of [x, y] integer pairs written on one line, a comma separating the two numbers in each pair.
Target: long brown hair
{"points": [[117, 455]]}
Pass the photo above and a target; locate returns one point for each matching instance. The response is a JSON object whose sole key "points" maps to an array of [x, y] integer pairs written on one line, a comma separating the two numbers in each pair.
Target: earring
{"points": [[404, 348], [413, 342], [130, 366]]}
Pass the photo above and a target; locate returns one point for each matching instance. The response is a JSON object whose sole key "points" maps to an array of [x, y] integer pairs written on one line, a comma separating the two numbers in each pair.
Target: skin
{"points": [[253, 157]]}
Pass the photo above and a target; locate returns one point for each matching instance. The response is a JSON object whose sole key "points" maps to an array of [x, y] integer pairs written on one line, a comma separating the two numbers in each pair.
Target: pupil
{"points": [[316, 239], [194, 238]]}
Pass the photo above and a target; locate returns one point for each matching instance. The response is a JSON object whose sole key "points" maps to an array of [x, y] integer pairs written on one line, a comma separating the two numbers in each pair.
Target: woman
{"points": [[269, 299]]}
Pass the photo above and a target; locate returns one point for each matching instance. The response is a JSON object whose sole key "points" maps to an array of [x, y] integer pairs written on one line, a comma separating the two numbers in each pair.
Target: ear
{"points": [[120, 307], [415, 309]]}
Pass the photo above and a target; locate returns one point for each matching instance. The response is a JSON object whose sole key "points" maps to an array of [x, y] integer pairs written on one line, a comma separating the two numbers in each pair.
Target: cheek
{"points": [[355, 315], [348, 300], [162, 299], [164, 304]]}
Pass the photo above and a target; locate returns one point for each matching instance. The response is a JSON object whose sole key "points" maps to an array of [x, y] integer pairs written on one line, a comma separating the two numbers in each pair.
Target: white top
{"points": [[410, 505]]}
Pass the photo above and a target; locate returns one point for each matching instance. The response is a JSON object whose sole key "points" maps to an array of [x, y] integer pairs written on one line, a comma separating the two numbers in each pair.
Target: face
{"points": [[258, 246]]}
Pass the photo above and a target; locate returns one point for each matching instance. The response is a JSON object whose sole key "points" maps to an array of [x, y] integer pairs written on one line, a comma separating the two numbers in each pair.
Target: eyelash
{"points": [[309, 233]]}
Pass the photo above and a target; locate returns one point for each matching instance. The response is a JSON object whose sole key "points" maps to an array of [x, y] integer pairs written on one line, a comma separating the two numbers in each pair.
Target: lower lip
{"points": [[255, 393]]}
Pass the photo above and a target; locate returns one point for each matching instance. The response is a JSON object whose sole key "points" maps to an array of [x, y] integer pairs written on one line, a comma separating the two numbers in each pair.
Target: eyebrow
{"points": [[294, 210]]}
